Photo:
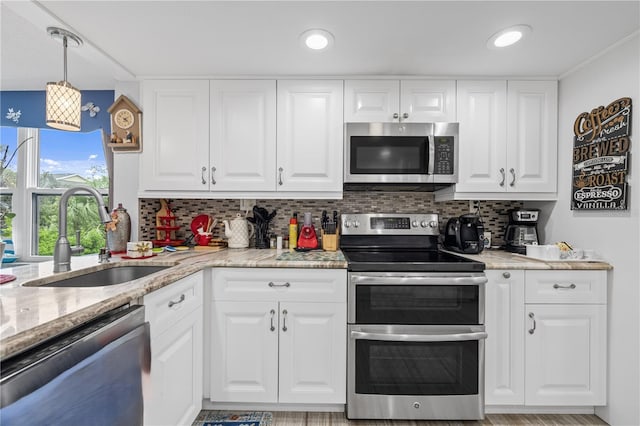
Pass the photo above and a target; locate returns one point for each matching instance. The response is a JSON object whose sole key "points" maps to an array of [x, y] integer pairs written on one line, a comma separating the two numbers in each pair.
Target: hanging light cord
{"points": [[64, 44]]}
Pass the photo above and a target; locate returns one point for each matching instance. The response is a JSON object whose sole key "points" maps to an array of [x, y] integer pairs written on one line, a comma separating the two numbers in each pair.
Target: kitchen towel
{"points": [[227, 418]]}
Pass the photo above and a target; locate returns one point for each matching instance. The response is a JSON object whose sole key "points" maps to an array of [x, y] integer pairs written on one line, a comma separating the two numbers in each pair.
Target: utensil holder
{"points": [[330, 241]]}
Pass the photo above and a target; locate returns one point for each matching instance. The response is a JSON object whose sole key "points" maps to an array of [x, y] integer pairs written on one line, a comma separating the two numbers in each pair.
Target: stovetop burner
{"points": [[398, 243]]}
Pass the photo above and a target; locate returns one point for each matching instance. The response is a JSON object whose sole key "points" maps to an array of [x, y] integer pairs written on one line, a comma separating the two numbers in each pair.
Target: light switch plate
{"points": [[246, 205]]}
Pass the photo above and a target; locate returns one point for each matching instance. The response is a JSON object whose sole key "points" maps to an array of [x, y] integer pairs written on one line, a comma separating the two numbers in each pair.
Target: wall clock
{"points": [[126, 126]]}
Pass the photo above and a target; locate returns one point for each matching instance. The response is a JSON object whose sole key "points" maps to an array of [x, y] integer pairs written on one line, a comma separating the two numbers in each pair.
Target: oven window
{"points": [[389, 155], [416, 304], [416, 368]]}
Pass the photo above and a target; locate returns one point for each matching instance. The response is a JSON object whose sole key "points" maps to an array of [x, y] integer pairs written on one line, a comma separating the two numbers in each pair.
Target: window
{"points": [[55, 161]]}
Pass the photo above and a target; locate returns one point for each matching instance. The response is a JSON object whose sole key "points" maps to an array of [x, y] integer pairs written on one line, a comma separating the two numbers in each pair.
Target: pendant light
{"points": [[63, 101]]}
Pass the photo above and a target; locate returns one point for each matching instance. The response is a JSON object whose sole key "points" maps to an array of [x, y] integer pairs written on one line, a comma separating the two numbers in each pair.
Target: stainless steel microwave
{"points": [[400, 153]]}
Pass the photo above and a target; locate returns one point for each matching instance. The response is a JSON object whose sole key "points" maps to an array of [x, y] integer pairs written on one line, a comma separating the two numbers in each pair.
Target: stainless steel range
{"points": [[415, 321]]}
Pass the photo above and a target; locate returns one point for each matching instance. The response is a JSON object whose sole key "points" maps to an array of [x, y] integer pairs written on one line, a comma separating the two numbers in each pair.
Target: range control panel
{"points": [[390, 224]]}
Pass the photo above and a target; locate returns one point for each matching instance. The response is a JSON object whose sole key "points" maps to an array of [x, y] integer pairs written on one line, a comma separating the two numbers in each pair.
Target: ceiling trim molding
{"points": [[598, 55], [36, 13]]}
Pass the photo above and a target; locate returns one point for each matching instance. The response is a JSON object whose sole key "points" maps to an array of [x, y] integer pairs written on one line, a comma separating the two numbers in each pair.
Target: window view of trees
{"points": [[64, 160]]}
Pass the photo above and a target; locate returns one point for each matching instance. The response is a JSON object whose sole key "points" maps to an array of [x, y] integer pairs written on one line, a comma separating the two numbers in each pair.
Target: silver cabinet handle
{"points": [[280, 170], [213, 179], [405, 115], [513, 176], [287, 284], [506, 274], [396, 115], [204, 181], [273, 314], [533, 317], [284, 319], [570, 286], [503, 177], [171, 302], [360, 335]]}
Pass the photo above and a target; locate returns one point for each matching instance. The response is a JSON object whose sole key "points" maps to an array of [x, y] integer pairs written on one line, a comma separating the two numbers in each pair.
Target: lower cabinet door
{"points": [[313, 339], [175, 396], [565, 354], [244, 352], [504, 347]]}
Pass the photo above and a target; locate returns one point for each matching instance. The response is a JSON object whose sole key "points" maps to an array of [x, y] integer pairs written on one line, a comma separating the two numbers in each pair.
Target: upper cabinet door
{"points": [[532, 156], [243, 135], [426, 101], [176, 135], [310, 135], [482, 113], [371, 101]]}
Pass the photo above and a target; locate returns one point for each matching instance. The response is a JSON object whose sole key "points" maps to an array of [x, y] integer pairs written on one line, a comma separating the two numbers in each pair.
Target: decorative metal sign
{"points": [[600, 157]]}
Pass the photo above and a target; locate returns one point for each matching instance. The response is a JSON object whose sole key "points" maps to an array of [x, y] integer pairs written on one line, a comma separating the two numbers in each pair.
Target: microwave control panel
{"points": [[444, 155]]}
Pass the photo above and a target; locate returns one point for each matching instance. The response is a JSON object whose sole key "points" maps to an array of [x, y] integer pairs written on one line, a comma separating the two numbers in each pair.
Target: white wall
{"points": [[616, 234], [125, 165]]}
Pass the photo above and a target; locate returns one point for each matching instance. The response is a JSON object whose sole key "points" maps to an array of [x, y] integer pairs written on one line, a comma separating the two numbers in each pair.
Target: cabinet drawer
{"points": [[280, 284], [168, 305], [566, 286]]}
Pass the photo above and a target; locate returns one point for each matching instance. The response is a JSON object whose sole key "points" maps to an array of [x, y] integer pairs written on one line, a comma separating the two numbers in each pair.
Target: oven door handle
{"points": [[424, 279], [359, 335]]}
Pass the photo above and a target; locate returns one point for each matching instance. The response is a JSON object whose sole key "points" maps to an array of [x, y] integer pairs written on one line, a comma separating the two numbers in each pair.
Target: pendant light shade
{"points": [[64, 104], [63, 101]]}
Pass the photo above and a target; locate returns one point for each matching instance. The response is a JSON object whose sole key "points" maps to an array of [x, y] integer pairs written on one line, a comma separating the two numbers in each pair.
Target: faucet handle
{"points": [[104, 255]]}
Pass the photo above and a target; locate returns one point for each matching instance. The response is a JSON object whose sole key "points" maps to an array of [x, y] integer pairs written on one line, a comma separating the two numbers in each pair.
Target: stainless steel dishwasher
{"points": [[89, 375]]}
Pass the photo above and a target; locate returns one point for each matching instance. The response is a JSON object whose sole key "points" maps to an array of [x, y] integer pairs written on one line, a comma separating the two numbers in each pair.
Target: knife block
{"points": [[330, 241]]}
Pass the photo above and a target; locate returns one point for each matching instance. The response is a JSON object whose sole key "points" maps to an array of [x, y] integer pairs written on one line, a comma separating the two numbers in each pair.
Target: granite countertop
{"points": [[31, 314], [500, 259]]}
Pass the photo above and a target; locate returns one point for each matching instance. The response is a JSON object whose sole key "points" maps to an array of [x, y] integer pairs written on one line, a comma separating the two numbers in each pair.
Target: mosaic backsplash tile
{"points": [[494, 213]]}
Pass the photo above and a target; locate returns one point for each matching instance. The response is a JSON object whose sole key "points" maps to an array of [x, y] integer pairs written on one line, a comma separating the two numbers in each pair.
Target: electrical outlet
{"points": [[246, 205]]}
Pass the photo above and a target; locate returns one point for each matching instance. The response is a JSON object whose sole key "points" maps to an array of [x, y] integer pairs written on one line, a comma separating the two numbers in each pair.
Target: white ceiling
{"points": [[127, 40]]}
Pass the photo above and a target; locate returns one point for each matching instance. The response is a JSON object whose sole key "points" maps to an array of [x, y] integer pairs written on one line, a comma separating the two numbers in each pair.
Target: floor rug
{"points": [[230, 418]]}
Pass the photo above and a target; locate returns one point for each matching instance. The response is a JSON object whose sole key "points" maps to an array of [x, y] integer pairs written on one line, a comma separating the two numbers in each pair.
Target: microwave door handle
{"points": [[432, 156], [360, 335], [419, 280]]}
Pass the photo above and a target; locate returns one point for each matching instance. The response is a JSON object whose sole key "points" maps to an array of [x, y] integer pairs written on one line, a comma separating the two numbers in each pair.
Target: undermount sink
{"points": [[104, 277]]}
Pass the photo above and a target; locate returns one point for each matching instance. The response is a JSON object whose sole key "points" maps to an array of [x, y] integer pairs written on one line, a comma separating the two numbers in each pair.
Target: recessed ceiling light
{"points": [[316, 39], [508, 36]]}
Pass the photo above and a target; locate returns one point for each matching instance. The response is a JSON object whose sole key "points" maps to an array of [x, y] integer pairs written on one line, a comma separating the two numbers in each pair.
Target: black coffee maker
{"points": [[521, 230], [465, 234]]}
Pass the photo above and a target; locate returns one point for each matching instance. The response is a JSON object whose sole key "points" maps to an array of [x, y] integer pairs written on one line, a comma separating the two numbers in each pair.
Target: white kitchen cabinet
{"points": [[176, 325], [243, 135], [508, 139], [408, 101], [240, 138], [310, 135], [175, 135], [547, 338], [566, 339], [504, 347], [278, 335]]}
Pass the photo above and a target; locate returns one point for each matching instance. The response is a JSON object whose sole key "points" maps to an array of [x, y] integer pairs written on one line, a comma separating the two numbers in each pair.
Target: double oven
{"points": [[415, 322]]}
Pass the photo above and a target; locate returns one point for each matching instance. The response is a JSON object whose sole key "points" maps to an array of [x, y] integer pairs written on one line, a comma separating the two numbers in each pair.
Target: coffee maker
{"points": [[521, 229], [465, 234]]}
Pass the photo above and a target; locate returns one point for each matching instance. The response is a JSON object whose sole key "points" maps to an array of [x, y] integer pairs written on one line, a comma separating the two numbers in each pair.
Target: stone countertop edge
{"points": [[500, 259], [28, 316]]}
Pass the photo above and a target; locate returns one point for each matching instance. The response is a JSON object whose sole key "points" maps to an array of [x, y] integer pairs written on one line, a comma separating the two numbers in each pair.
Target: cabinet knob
{"points": [[506, 274], [280, 170], [213, 178], [503, 176], [513, 177], [204, 181], [405, 115], [396, 115], [533, 318]]}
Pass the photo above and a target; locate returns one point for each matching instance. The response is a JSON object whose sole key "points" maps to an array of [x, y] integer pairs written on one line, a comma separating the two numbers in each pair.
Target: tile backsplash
{"points": [[494, 213]]}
